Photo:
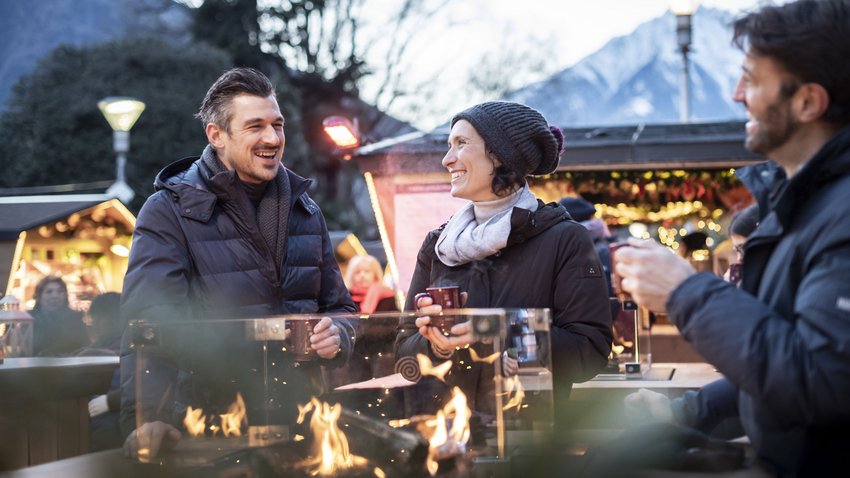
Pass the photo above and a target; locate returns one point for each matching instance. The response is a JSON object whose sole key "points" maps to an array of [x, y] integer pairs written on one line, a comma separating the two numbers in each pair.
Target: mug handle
{"points": [[420, 296]]}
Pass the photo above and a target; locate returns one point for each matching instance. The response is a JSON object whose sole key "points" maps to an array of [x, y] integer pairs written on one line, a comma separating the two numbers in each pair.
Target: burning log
{"points": [[381, 443]]}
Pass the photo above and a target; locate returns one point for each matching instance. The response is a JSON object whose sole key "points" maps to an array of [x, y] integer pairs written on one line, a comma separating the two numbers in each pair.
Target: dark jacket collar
{"points": [[774, 192], [526, 224], [188, 180]]}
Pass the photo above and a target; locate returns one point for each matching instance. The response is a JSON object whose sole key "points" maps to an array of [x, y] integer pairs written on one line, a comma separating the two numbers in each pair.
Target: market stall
{"points": [[84, 239]]}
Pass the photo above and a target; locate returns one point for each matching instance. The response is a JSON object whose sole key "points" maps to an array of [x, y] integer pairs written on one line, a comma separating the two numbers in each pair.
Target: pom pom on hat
{"points": [[518, 135]]}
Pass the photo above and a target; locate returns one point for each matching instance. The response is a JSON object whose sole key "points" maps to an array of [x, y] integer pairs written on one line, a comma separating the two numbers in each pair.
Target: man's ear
{"points": [[214, 134], [812, 101]]}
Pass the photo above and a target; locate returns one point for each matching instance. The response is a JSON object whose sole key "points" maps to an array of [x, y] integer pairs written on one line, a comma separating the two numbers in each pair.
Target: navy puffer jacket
{"points": [[195, 257], [784, 338]]}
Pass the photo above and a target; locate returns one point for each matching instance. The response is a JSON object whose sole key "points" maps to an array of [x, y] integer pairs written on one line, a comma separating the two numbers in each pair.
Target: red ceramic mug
{"points": [[300, 331], [735, 272], [448, 297]]}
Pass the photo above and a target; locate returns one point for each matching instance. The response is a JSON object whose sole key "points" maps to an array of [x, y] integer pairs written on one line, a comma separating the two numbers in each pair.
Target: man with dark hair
{"points": [[783, 339], [231, 234]]}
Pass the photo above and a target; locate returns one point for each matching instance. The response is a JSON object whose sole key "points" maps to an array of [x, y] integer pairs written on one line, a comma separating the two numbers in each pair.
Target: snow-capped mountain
{"points": [[635, 78]]}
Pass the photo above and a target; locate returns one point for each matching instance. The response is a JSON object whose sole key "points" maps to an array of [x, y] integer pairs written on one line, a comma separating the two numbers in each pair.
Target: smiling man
{"points": [[230, 234], [783, 339]]}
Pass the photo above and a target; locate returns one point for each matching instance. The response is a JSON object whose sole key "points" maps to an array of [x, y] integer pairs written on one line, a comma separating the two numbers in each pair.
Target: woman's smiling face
{"points": [[471, 169]]}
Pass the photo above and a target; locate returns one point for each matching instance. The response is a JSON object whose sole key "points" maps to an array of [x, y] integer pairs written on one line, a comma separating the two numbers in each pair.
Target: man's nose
{"points": [[739, 95], [270, 136]]}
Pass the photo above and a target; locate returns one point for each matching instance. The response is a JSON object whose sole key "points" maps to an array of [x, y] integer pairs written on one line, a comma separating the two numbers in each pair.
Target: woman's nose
{"points": [[448, 159]]}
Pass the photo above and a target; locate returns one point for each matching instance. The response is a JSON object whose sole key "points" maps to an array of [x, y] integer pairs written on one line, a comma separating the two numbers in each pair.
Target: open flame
{"points": [[231, 422], [428, 368], [444, 440], [330, 444], [195, 421]]}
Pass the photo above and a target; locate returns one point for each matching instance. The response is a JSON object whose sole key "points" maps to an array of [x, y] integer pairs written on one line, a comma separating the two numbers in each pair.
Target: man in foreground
{"points": [[783, 339]]}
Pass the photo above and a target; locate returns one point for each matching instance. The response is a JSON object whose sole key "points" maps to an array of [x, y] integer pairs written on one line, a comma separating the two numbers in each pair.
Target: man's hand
{"points": [[650, 272], [145, 442], [326, 339], [461, 334], [647, 406], [98, 406]]}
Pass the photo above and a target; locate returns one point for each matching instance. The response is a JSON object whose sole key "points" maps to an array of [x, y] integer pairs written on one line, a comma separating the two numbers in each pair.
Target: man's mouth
{"points": [[266, 154], [458, 174]]}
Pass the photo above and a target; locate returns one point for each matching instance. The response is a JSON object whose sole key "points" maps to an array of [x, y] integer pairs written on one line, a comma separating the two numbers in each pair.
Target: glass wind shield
{"points": [[252, 393]]}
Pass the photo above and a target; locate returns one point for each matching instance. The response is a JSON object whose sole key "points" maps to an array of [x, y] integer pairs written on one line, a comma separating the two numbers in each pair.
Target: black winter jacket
{"points": [[549, 262], [784, 339], [196, 257]]}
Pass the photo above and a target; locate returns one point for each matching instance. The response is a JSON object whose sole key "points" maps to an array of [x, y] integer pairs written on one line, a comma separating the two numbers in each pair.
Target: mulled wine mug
{"points": [[735, 272], [448, 297], [300, 331]]}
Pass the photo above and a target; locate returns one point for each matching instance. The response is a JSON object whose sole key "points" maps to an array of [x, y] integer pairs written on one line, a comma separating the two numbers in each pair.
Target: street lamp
{"points": [[684, 10], [121, 113]]}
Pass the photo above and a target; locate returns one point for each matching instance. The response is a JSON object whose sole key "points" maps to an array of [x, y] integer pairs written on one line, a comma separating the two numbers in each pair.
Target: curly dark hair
{"points": [[215, 108], [811, 40], [505, 179]]}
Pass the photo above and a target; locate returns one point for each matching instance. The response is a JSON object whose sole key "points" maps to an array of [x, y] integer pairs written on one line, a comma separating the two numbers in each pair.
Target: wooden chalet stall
{"points": [[84, 239]]}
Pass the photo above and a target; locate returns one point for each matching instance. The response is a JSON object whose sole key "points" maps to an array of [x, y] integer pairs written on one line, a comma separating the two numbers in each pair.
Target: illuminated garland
{"points": [[668, 196]]}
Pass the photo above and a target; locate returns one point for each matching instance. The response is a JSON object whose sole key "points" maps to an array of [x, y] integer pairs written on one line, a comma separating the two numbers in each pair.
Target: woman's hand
{"points": [[461, 334]]}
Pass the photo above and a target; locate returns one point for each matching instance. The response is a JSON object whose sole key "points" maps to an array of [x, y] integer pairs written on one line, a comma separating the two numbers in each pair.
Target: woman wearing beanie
{"points": [[508, 249]]}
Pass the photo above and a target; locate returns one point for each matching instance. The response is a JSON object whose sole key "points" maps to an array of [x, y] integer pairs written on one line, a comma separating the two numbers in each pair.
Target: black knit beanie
{"points": [[518, 135]]}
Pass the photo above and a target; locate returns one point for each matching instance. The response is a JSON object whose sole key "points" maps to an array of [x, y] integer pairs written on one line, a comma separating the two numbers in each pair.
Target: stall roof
{"points": [[643, 146], [21, 213]]}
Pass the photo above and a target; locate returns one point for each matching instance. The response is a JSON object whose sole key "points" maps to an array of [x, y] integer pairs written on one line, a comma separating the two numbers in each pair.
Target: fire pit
{"points": [[247, 407]]}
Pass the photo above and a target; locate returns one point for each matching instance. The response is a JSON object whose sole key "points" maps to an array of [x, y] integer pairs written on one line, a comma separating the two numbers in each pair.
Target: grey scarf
{"points": [[465, 240]]}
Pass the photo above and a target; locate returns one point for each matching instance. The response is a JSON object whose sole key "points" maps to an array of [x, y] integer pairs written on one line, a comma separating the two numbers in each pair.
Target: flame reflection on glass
{"points": [[428, 368], [512, 385]]}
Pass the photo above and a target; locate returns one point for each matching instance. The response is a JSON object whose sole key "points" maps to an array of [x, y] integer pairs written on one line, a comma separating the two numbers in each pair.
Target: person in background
{"points": [[506, 248], [107, 327], [363, 277], [57, 330], [742, 225], [783, 337]]}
